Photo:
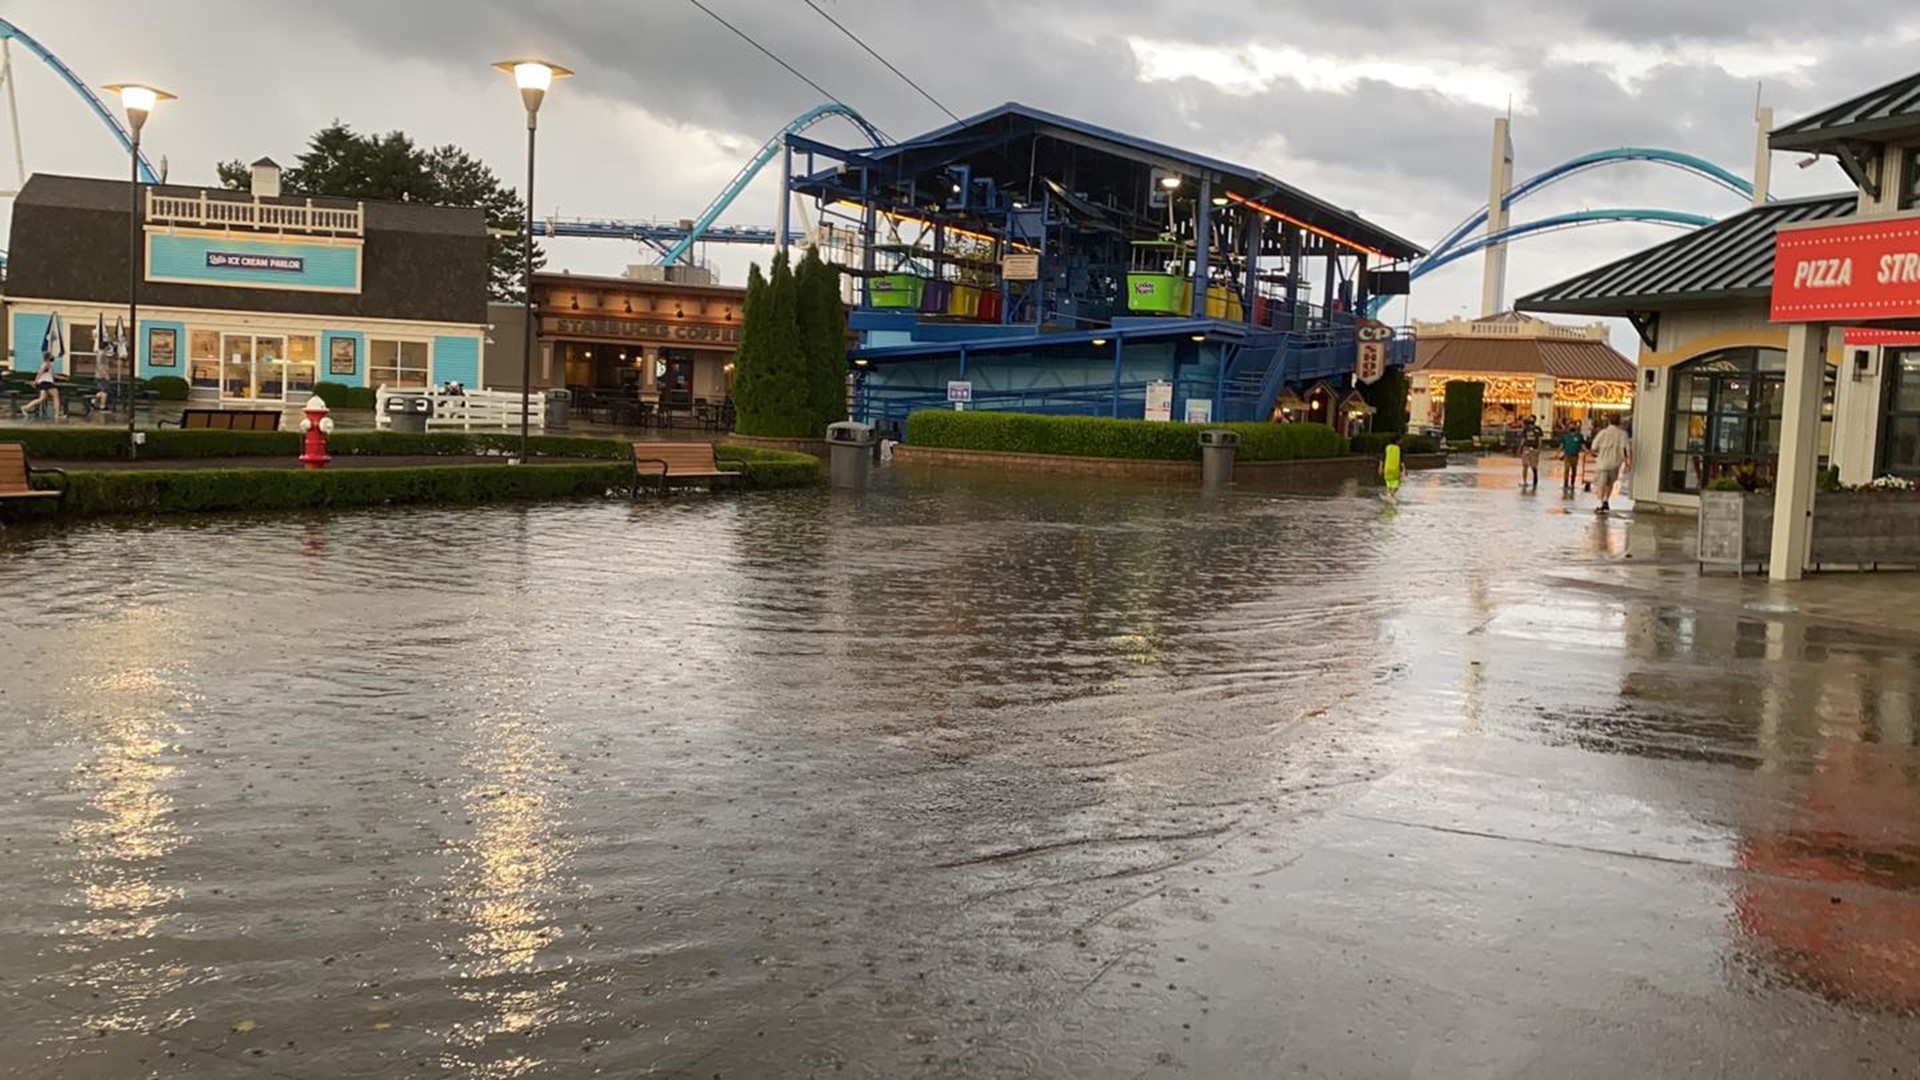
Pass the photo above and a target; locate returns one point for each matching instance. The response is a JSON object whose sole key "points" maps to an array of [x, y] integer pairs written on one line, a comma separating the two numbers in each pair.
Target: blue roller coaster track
{"points": [[11, 32], [1455, 244], [760, 161]]}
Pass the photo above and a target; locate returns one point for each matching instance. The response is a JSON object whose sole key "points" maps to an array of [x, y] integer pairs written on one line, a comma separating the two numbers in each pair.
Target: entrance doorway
{"points": [[676, 379], [267, 367]]}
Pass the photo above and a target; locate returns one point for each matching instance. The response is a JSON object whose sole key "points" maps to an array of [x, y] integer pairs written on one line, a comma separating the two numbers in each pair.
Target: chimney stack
{"points": [[266, 179]]}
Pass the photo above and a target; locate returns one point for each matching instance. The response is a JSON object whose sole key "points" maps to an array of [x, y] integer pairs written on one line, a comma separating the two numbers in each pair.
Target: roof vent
{"points": [[266, 179]]}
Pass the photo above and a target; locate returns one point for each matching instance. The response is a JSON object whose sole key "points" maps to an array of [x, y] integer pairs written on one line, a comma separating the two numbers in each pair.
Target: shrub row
{"points": [[1376, 443], [342, 396], [194, 491], [771, 468], [77, 443], [1139, 440]]}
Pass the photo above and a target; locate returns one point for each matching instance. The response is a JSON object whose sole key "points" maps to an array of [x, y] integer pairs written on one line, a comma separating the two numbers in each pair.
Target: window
{"points": [[1910, 178], [399, 364], [203, 359], [1725, 410], [83, 353], [1900, 430]]}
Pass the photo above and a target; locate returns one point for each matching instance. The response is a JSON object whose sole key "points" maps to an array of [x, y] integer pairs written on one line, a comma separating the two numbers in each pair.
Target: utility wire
{"points": [[855, 38], [769, 52]]}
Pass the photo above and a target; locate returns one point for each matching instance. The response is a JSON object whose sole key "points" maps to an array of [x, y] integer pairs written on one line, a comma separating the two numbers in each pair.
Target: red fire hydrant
{"points": [[317, 425]]}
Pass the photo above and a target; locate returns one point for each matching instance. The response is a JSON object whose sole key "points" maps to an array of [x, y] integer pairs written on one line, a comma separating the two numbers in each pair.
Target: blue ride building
{"points": [[1061, 267]]}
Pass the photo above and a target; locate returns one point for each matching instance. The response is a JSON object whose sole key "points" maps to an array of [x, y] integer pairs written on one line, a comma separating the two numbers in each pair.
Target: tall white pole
{"points": [[1762, 154], [786, 196], [1493, 285], [13, 111]]}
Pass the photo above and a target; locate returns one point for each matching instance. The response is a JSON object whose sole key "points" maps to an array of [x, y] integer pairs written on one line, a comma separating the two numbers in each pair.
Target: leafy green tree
{"points": [[341, 162], [823, 336]]}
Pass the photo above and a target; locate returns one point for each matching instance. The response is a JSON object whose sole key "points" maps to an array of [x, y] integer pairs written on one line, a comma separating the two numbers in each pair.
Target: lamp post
{"points": [[533, 77], [138, 99]]}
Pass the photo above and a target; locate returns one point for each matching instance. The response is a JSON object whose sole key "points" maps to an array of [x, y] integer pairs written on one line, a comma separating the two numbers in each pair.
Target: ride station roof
{"points": [[1099, 169]]}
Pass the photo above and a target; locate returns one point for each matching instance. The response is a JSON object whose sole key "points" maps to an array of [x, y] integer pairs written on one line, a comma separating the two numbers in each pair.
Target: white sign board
{"points": [[960, 393], [1371, 363], [1020, 268], [1199, 410], [1160, 401]]}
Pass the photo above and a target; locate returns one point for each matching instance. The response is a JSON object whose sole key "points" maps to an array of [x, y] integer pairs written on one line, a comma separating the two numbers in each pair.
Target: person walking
{"points": [[1531, 438], [1611, 454], [1572, 446], [48, 388]]}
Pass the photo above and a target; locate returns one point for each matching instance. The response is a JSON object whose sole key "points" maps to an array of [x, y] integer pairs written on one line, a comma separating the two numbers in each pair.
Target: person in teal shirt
{"points": [[1572, 445]]}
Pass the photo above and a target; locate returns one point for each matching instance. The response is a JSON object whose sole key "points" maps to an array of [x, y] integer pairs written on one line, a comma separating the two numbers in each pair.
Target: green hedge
{"points": [[342, 396], [169, 387], [1376, 443], [81, 443], [771, 468], [194, 491], [1139, 440]]}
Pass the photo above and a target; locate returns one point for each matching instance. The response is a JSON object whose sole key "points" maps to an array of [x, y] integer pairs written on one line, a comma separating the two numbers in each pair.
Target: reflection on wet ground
{"points": [[971, 776]]}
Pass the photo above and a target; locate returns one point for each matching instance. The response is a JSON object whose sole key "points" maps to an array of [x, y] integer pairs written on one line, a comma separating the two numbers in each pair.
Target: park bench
{"points": [[226, 420], [671, 461], [16, 476]]}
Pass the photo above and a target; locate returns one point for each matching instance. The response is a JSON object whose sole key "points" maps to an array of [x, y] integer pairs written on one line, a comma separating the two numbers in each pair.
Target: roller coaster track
{"points": [[11, 32], [1455, 244], [758, 162]]}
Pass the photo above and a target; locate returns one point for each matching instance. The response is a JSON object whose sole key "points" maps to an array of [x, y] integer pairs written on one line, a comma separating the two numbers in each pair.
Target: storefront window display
{"points": [[1726, 413], [1900, 433]]}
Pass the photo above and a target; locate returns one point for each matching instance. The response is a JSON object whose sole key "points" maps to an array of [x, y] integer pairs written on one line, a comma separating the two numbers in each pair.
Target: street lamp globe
{"points": [[534, 78], [138, 99]]}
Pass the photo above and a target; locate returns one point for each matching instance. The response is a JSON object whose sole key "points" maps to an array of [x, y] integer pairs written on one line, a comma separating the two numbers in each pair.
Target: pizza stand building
{"points": [[1787, 337], [250, 296]]}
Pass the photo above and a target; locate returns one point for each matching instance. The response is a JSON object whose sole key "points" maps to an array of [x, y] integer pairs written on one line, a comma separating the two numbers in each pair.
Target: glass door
{"points": [[302, 358], [236, 368], [270, 368]]}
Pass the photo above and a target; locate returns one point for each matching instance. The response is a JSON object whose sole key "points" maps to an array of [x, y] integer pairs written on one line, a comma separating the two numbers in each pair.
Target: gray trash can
{"points": [[850, 454], [408, 413], [559, 409], [1217, 451]]}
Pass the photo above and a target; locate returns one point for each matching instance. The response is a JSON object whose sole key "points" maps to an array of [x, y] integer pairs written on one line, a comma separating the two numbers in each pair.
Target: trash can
{"points": [[408, 413], [1217, 451], [850, 454], [559, 408]]}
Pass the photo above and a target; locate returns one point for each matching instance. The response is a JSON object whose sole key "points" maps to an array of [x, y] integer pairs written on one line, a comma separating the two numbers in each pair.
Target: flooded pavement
{"points": [[969, 777]]}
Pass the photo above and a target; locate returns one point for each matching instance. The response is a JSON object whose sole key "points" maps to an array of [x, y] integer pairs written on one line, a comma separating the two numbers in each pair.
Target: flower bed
{"points": [[1868, 525]]}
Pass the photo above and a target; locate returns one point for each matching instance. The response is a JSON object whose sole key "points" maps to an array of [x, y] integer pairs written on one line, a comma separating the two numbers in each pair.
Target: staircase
{"points": [[1268, 362]]}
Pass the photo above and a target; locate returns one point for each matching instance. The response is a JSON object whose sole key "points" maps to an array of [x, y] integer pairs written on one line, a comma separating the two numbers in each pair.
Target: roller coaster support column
{"points": [[1202, 244], [1493, 285], [786, 195]]}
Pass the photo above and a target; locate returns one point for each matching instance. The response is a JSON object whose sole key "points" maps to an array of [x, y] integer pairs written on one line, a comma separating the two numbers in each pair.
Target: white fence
{"points": [[199, 211], [475, 410]]}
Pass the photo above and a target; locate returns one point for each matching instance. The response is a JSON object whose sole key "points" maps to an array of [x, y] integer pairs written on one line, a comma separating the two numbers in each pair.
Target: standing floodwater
{"points": [[961, 777]]}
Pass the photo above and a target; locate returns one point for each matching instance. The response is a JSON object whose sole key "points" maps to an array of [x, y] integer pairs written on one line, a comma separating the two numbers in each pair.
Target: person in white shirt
{"points": [[1612, 451]]}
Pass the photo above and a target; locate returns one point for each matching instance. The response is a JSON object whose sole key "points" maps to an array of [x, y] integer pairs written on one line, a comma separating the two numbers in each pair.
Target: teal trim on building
{"points": [[257, 264], [457, 359], [145, 346], [24, 338], [358, 377]]}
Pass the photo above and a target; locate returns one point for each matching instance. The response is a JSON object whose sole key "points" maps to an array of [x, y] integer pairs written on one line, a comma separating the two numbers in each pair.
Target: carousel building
{"points": [[1529, 367]]}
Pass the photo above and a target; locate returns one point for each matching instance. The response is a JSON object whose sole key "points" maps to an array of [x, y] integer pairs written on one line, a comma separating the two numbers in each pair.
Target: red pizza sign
{"points": [[1863, 270]]}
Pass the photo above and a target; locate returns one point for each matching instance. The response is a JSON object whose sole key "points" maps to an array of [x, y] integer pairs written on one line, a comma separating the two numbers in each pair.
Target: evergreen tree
{"points": [[749, 357], [1388, 396], [784, 391], [823, 333]]}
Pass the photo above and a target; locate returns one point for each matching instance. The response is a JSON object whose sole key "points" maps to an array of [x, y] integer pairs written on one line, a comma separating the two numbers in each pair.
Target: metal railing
{"points": [[200, 211]]}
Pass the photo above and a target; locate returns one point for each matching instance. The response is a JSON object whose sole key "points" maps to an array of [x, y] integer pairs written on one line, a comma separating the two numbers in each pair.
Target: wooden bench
{"points": [[671, 461], [226, 420], [16, 476]]}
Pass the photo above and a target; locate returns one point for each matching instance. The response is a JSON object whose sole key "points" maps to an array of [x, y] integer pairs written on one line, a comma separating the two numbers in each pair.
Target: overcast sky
{"points": [[1388, 115]]}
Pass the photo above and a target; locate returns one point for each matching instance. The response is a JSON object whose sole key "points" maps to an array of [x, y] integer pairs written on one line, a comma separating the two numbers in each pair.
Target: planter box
{"points": [[1735, 528], [1850, 528], [1862, 528]]}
